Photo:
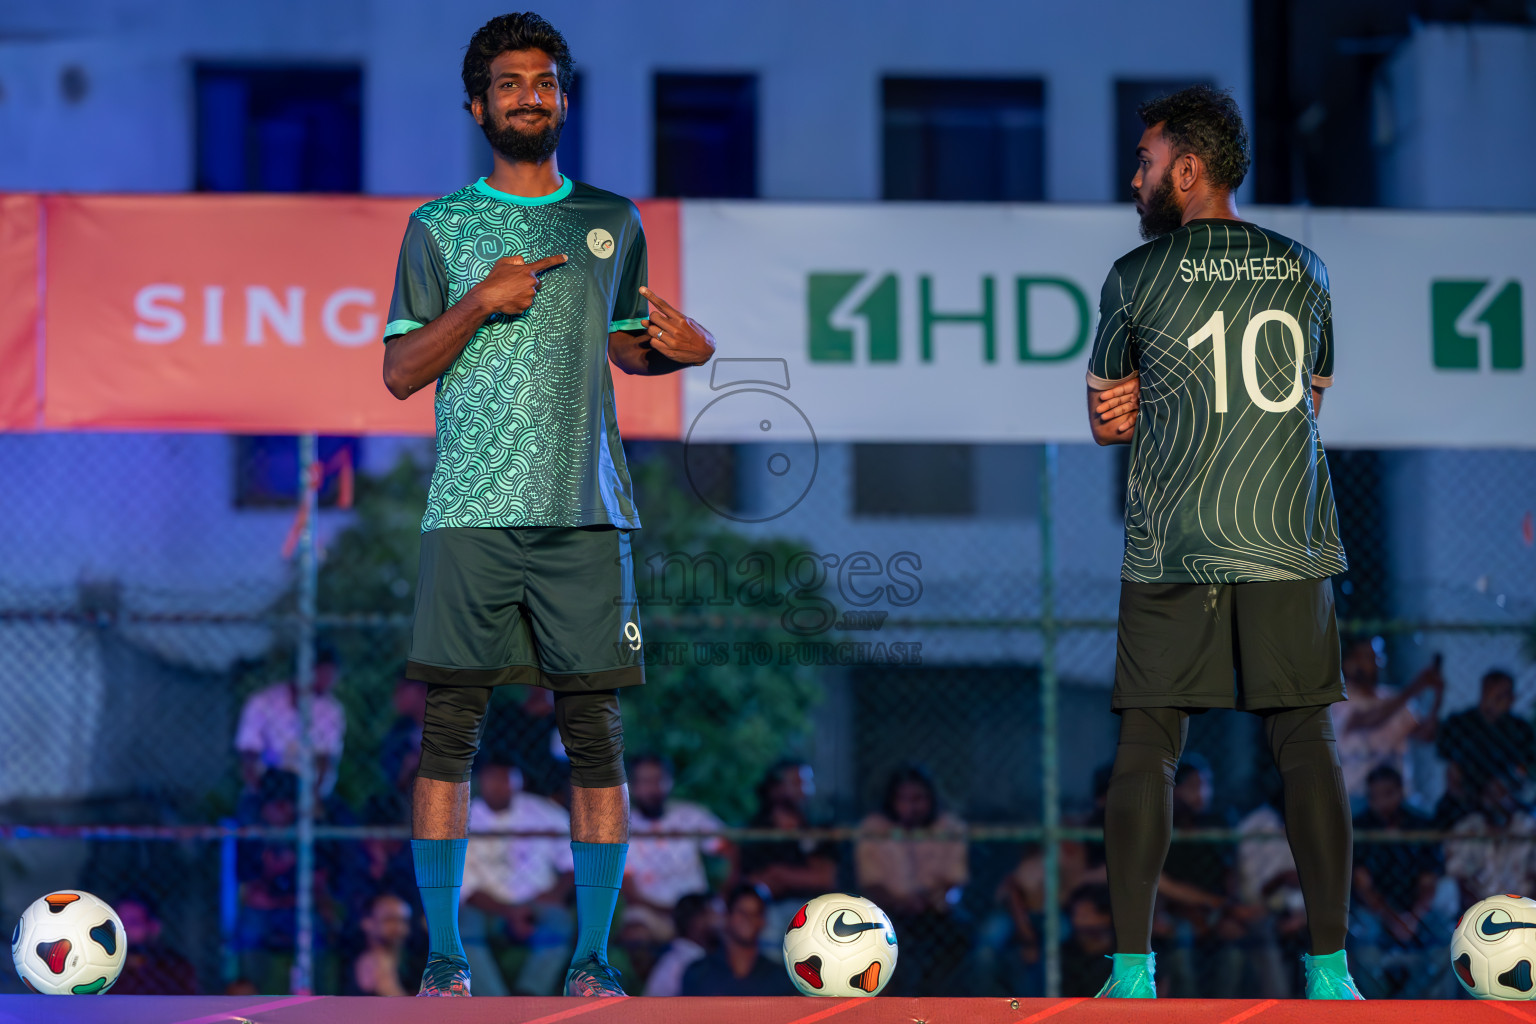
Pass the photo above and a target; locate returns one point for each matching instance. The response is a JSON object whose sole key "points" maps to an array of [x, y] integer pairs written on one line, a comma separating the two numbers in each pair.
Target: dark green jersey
{"points": [[526, 431], [1229, 327]]}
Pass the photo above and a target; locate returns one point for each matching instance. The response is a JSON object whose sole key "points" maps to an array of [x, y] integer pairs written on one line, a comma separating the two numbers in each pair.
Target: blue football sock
{"points": [[439, 875], [599, 876]]}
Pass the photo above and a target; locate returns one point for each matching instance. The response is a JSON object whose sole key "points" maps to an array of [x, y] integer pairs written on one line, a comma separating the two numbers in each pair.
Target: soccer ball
{"points": [[67, 943], [840, 945], [1493, 951]]}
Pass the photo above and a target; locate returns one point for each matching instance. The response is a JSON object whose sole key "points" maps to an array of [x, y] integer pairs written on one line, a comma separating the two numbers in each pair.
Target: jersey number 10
{"points": [[1216, 329]]}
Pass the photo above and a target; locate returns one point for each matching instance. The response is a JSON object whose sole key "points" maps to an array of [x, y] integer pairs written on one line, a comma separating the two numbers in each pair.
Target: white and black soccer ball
{"points": [[69, 943], [840, 945], [1493, 950]]}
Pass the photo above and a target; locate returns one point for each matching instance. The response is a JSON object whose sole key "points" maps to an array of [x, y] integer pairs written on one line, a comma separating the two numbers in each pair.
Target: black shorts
{"points": [[1248, 646], [550, 606]]}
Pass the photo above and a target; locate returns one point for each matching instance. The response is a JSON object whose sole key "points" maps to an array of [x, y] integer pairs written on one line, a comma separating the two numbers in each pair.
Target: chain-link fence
{"points": [[895, 682]]}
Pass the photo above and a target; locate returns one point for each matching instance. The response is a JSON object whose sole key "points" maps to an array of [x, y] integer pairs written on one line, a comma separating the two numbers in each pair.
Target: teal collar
{"points": [[507, 197]]}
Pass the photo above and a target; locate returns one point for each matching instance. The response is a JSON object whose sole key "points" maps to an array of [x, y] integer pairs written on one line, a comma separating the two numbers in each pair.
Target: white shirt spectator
{"points": [[1364, 749], [667, 976], [1485, 867], [269, 727], [663, 870], [1262, 860], [516, 869]]}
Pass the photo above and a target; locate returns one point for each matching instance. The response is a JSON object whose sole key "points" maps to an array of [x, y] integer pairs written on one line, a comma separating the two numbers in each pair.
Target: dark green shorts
{"points": [[1227, 645], [550, 606]]}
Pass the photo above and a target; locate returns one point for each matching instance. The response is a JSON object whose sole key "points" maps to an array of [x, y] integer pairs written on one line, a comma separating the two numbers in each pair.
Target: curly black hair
{"points": [[1206, 122], [510, 32]]}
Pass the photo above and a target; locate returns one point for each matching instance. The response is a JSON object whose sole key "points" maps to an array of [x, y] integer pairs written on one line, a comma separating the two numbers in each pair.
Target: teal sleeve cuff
{"points": [[624, 325], [395, 328]]}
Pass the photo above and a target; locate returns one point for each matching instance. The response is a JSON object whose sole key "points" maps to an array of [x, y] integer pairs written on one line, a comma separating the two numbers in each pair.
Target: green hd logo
{"points": [[857, 315], [1472, 317]]}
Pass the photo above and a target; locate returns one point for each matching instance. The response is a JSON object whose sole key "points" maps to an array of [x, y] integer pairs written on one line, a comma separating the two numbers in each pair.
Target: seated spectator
{"points": [[400, 749], [1009, 950], [1089, 942], [1094, 852], [1489, 739], [791, 870], [268, 733], [516, 887], [334, 859], [1399, 940], [266, 920], [380, 864], [737, 968], [658, 872], [1375, 725], [1267, 882], [150, 967], [1197, 893], [376, 866], [381, 969], [266, 872], [1504, 861], [697, 919], [1459, 799], [522, 718], [916, 882]]}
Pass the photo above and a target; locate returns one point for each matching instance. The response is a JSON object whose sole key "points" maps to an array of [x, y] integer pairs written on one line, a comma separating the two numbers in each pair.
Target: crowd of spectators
{"points": [[700, 914], [1230, 915]]}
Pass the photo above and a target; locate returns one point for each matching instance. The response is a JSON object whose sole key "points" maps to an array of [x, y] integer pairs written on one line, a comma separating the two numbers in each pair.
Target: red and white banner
{"points": [[252, 314], [262, 314], [18, 311]]}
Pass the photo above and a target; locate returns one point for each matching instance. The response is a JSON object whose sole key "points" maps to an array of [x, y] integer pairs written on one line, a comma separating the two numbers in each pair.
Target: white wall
{"points": [[820, 65], [1454, 110]]}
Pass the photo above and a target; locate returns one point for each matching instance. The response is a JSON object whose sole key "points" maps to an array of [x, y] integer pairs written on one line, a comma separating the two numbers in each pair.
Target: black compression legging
{"points": [[1138, 817]]}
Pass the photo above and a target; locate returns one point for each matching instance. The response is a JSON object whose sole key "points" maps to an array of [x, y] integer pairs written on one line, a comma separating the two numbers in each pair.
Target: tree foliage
{"points": [[722, 725]]}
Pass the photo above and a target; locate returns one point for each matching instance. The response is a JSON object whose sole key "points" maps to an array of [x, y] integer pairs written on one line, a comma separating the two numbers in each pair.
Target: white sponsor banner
{"points": [[971, 322]]}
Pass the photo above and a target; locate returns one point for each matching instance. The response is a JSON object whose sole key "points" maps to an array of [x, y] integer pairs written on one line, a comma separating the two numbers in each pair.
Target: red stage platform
{"points": [[336, 1010]]}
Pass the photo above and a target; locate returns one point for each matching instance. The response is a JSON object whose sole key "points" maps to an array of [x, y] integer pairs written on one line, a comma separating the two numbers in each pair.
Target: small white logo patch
{"points": [[600, 242]]}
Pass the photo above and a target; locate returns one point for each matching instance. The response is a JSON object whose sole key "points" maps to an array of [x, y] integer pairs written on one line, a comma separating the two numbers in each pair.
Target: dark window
{"points": [[267, 470], [959, 138], [914, 480], [568, 155], [1128, 127], [988, 481], [1007, 484], [278, 129], [706, 136], [1365, 527]]}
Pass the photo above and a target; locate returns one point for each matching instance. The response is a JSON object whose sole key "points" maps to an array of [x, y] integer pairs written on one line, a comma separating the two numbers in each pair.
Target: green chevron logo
{"points": [[856, 317], [853, 312], [1473, 317]]}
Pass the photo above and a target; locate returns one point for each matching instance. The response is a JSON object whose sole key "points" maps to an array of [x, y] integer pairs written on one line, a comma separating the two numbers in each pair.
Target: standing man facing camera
{"points": [[1215, 343], [514, 294]]}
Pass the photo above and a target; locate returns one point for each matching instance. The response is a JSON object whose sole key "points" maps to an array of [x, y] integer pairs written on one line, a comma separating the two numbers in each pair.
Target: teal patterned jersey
{"points": [[1229, 327], [526, 431]]}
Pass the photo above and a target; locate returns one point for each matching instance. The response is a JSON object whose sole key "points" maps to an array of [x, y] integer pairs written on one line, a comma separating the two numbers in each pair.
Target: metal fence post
{"points": [[304, 941], [229, 904], [1050, 781]]}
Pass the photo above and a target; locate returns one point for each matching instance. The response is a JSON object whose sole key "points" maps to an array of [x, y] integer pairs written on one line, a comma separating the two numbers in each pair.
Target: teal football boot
{"points": [[1328, 977], [1131, 978]]}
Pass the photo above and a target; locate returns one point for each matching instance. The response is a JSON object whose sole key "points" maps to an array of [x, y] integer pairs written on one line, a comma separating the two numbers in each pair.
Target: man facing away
{"points": [[1214, 344], [514, 294]]}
